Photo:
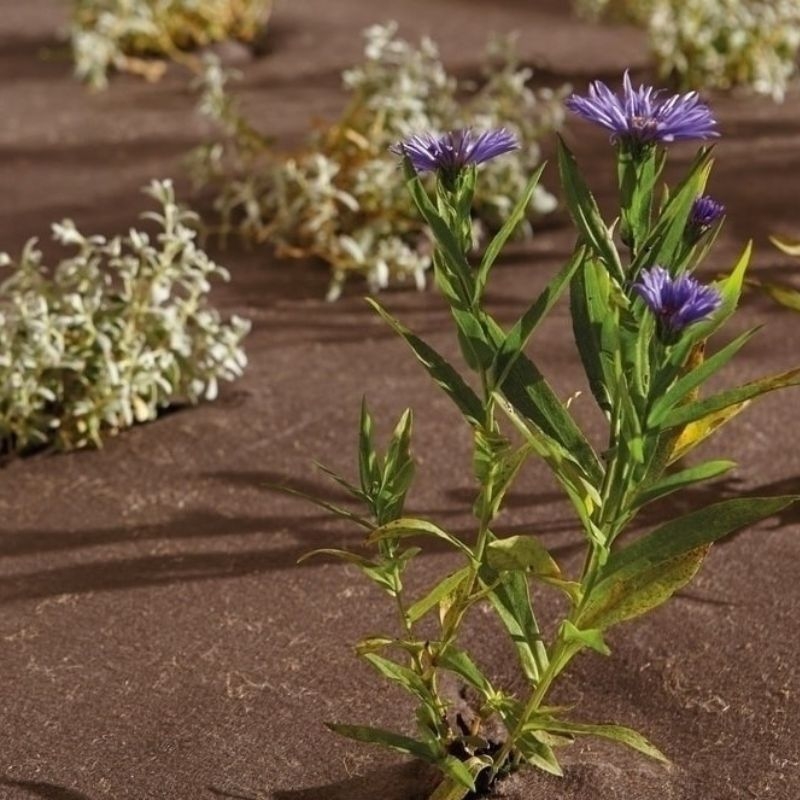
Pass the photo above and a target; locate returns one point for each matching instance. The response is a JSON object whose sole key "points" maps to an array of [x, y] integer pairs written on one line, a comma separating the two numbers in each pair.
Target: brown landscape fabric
{"points": [[157, 639]]}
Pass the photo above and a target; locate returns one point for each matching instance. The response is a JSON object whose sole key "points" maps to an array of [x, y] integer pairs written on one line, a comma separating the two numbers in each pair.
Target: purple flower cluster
{"points": [[451, 152], [643, 116], [678, 301], [705, 212]]}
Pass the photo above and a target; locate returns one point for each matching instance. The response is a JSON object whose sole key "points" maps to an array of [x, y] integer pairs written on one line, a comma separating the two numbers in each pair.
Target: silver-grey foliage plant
{"points": [[112, 334], [715, 43], [341, 197]]}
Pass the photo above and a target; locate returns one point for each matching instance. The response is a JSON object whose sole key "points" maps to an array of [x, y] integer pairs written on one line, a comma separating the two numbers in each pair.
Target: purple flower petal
{"points": [[453, 151], [705, 212], [676, 302], [642, 116]]}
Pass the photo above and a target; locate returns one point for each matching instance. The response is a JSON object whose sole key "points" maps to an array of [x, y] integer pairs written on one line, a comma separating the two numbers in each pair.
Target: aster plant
{"points": [[643, 323]]}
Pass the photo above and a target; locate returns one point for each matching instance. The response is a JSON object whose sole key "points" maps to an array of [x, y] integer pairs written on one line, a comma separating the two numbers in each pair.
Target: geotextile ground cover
{"points": [[157, 639]]}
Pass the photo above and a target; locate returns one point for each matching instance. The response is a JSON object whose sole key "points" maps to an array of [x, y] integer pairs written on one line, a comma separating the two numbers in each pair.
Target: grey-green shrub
{"points": [[341, 197], [716, 43], [123, 34], [112, 334]]}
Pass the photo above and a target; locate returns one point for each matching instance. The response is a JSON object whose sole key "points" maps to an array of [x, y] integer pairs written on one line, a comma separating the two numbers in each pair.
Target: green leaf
{"points": [[450, 790], [698, 528], [445, 238], [617, 733], [785, 295], [580, 489], [637, 175], [460, 663], [381, 574], [343, 482], [401, 675], [512, 602], [444, 374], [591, 637], [519, 335], [457, 771], [647, 572], [730, 290], [398, 470], [367, 458], [334, 509], [495, 247], [666, 242], [691, 412], [589, 292], [444, 588], [472, 338], [681, 479], [538, 753], [531, 396], [639, 589], [394, 741], [521, 553], [696, 377], [496, 464], [584, 211], [408, 526]]}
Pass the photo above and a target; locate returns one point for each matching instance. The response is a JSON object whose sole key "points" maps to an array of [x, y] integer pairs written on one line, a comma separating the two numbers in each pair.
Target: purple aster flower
{"points": [[643, 116], [705, 212], [676, 301], [451, 152]]}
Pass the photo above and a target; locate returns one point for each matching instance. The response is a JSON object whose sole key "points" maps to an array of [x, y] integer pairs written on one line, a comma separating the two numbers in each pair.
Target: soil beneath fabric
{"points": [[158, 640]]}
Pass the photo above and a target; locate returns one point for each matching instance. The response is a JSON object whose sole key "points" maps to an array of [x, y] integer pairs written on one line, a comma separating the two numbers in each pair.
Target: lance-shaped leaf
{"points": [[593, 327], [785, 295], [394, 741], [699, 430], [647, 572], [617, 733], [445, 238], [440, 591], [636, 176], [495, 247], [401, 675], [334, 509], [682, 479], [584, 211], [519, 335], [512, 602], [579, 487], [367, 457], [408, 526], [695, 378], [683, 415], [442, 372], [538, 753], [496, 464], [666, 240], [461, 664], [530, 394], [397, 471], [730, 290]]}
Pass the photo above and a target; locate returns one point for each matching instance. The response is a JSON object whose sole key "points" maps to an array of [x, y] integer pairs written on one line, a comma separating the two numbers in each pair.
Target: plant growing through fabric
{"points": [[645, 329]]}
